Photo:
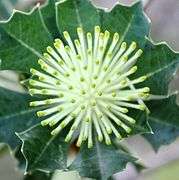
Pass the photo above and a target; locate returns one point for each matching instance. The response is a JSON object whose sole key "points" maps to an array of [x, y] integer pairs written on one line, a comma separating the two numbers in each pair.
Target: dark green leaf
{"points": [[36, 175], [164, 120], [48, 14], [42, 150], [129, 22], [25, 36], [15, 115], [101, 161], [80, 14], [160, 64]]}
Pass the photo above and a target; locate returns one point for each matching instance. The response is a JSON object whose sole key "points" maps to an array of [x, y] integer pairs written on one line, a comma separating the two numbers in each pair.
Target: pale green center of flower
{"points": [[89, 81]]}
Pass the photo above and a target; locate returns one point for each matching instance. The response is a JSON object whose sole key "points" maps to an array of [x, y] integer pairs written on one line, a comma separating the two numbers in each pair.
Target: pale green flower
{"points": [[89, 80]]}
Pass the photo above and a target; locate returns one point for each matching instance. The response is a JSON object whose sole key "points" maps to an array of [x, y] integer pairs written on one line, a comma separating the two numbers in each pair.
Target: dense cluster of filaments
{"points": [[89, 86]]}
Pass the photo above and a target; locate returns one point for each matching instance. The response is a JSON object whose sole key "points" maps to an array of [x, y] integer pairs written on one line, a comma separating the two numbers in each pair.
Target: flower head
{"points": [[87, 85]]}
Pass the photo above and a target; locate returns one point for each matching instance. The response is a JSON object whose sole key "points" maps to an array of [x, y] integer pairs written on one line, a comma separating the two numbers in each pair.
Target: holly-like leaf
{"points": [[15, 115], [101, 161], [24, 38], [42, 150], [160, 64]]}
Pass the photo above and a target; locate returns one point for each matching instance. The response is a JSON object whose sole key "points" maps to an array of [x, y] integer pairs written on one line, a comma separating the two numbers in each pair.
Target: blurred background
{"points": [[162, 165]]}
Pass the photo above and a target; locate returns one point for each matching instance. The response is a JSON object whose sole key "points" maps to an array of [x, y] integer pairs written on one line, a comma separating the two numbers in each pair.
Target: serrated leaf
{"points": [[101, 161], [42, 150], [160, 64], [15, 115], [26, 36]]}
